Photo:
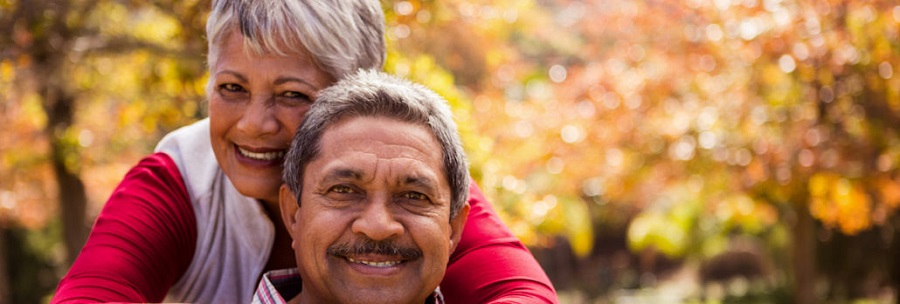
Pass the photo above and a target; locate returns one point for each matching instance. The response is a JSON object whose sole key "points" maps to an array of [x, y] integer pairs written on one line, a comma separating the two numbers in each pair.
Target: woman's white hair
{"points": [[342, 36]]}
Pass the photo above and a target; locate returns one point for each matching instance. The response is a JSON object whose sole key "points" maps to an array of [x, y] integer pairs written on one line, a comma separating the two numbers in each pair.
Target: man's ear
{"points": [[288, 202], [457, 224]]}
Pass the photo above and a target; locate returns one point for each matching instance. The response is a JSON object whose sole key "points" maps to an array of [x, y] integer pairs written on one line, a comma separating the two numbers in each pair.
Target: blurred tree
{"points": [[704, 118], [89, 86], [676, 124]]}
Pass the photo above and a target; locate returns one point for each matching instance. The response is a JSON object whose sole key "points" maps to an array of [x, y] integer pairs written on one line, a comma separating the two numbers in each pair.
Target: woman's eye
{"points": [[295, 98], [295, 94], [231, 90]]}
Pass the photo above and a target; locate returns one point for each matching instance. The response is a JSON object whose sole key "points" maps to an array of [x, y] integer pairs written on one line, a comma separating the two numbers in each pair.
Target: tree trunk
{"points": [[804, 256], [60, 109], [73, 202], [5, 292]]}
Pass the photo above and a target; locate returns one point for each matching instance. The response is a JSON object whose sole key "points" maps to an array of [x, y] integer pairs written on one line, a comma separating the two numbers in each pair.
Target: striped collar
{"points": [[279, 286]]}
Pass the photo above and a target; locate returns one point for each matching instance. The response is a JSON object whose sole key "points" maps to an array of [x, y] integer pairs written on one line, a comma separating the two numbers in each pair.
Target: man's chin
{"points": [[384, 294]]}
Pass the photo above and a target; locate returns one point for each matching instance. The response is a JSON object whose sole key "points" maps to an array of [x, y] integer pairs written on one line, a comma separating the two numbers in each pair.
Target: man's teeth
{"points": [[375, 264], [263, 155]]}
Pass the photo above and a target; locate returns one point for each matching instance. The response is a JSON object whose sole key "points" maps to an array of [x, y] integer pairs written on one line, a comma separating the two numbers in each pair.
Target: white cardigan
{"points": [[234, 235]]}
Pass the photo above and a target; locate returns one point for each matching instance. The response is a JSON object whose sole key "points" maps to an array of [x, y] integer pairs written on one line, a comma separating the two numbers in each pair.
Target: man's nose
{"points": [[377, 221]]}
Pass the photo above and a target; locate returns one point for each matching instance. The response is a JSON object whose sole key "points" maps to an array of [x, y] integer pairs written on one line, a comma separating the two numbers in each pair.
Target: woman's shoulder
{"points": [[191, 152]]}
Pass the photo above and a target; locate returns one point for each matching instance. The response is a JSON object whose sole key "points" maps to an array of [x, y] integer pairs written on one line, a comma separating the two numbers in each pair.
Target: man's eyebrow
{"points": [[419, 182], [343, 174]]}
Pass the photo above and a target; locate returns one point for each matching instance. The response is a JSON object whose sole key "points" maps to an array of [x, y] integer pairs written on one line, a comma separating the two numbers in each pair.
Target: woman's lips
{"points": [[266, 157]]}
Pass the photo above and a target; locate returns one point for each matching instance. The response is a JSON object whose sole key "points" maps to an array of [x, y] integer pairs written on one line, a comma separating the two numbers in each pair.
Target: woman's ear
{"points": [[288, 202]]}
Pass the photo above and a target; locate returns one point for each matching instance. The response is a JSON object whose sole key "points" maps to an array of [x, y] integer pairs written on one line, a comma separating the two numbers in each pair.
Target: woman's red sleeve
{"points": [[142, 242], [491, 265]]}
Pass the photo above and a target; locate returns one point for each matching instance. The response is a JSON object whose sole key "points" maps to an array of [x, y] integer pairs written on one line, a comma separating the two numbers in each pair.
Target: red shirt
{"points": [[145, 237]]}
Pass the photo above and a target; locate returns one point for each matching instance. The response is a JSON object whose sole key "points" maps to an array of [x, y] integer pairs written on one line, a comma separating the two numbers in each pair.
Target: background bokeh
{"points": [[655, 151]]}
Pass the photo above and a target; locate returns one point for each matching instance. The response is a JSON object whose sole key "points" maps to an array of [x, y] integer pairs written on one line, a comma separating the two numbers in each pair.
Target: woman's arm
{"points": [[141, 243], [491, 265]]}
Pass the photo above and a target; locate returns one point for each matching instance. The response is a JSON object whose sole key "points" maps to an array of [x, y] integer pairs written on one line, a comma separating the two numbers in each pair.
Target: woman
{"points": [[198, 221]]}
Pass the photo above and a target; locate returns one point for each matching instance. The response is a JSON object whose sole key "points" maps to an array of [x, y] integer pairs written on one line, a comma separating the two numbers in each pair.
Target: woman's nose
{"points": [[259, 117]]}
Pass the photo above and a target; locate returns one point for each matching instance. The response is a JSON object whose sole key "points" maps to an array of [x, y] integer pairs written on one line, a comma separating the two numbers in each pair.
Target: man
{"points": [[375, 196]]}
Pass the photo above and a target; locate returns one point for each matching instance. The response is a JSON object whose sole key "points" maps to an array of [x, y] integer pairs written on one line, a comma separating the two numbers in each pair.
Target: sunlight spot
{"points": [[801, 51], [707, 118], [830, 158], [707, 63], [401, 69], [707, 140], [634, 102], [714, 32], [592, 187], [557, 73], [614, 157], [806, 158], [85, 138], [571, 14], [749, 29], [401, 31], [7, 201], [783, 174], [611, 100], [509, 182], [695, 183], [813, 137], [423, 16], [885, 70], [537, 90], [683, 149], [540, 208], [722, 4], [885, 163], [786, 63], [585, 108], [523, 129], [555, 165], [572, 134], [510, 15], [742, 157], [760, 146], [403, 8], [782, 17], [826, 94]]}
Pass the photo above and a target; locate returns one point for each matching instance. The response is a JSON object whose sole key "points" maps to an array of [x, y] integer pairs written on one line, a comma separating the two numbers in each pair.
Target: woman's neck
{"points": [[282, 255]]}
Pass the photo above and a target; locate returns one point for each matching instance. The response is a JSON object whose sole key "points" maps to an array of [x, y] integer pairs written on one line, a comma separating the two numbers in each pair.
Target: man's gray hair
{"points": [[341, 36], [370, 93]]}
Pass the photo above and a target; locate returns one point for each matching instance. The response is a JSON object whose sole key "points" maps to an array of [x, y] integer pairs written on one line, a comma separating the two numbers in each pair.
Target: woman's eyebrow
{"points": [[282, 80], [237, 75]]}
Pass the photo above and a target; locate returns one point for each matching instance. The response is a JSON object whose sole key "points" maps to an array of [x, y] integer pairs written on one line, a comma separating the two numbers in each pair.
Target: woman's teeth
{"points": [[375, 264], [263, 155]]}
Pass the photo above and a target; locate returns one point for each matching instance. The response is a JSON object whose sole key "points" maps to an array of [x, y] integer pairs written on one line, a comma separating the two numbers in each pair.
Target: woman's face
{"points": [[255, 106]]}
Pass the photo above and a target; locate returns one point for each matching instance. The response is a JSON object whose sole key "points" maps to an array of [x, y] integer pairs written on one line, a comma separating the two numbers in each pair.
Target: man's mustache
{"points": [[366, 245]]}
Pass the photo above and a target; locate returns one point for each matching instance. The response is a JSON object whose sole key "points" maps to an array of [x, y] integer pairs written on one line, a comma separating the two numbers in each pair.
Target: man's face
{"points": [[374, 220]]}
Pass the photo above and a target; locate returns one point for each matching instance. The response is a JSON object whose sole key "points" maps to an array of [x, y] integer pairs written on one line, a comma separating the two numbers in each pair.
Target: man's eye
{"points": [[341, 189], [415, 196]]}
